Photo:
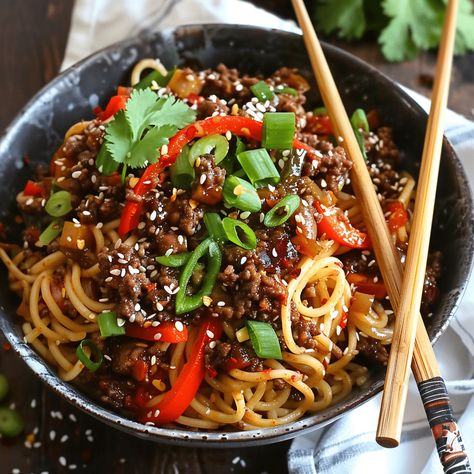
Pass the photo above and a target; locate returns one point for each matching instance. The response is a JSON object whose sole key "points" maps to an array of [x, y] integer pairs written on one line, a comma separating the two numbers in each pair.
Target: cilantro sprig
{"points": [[135, 135], [405, 27]]}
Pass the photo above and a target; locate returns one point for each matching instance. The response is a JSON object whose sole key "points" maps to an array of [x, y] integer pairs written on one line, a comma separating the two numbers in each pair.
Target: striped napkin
{"points": [[346, 446]]}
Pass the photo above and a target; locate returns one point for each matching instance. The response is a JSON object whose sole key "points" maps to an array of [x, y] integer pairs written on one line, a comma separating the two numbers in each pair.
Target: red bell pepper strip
{"points": [[240, 126], [365, 284], [165, 332], [116, 103], [182, 393], [33, 189], [398, 217], [337, 227]]}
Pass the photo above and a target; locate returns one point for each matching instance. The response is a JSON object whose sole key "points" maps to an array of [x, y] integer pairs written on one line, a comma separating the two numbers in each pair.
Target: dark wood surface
{"points": [[33, 36]]}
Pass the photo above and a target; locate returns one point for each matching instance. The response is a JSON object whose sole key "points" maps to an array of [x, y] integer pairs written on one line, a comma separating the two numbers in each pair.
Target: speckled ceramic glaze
{"points": [[39, 129]]}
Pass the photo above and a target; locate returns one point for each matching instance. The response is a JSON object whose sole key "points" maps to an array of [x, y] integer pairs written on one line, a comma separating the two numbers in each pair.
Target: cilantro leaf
{"points": [[141, 103], [172, 111], [118, 137], [146, 151], [397, 43], [347, 17], [135, 134], [465, 28]]}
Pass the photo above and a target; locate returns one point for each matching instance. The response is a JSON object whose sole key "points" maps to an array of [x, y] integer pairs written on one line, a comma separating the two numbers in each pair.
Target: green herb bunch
{"points": [[404, 27]]}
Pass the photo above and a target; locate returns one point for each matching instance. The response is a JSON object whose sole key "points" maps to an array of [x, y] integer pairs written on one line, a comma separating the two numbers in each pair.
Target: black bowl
{"points": [[40, 127]]}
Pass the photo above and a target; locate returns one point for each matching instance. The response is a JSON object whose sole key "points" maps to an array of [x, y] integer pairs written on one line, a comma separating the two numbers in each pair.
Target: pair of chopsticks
{"points": [[405, 298]]}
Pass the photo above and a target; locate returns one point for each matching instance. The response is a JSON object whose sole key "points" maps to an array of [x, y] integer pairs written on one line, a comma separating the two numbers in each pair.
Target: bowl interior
{"points": [[39, 129]]}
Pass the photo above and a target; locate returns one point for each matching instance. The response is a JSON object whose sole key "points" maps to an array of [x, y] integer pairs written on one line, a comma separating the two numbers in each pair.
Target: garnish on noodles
{"points": [[195, 254]]}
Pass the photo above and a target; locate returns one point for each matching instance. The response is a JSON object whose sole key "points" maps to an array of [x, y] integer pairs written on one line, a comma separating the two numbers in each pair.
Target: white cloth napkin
{"points": [[346, 446]]}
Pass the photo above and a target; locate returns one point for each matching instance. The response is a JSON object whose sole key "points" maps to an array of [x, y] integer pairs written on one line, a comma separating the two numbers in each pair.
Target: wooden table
{"points": [[33, 35]]}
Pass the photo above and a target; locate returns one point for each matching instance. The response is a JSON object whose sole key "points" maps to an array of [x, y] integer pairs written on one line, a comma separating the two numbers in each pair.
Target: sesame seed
{"points": [[164, 149], [153, 216], [62, 461], [33, 403], [338, 329], [137, 307], [141, 225], [239, 87], [261, 217], [209, 334], [245, 215], [115, 271], [243, 260], [202, 179], [321, 327], [323, 183], [132, 318], [76, 174], [274, 252], [212, 344], [64, 438], [281, 163], [157, 336], [221, 303], [179, 326], [168, 252]]}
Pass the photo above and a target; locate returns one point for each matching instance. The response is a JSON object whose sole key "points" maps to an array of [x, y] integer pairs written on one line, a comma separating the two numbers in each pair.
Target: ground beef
{"points": [[332, 169], [210, 108], [113, 391], [372, 352], [225, 356], [207, 186], [431, 286], [185, 214], [124, 356], [305, 331], [226, 83]]}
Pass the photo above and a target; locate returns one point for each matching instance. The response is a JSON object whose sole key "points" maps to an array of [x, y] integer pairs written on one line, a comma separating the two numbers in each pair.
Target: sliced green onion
{"points": [[213, 224], [59, 204], [264, 340], [176, 260], [360, 141], [359, 121], [248, 240], [278, 130], [51, 232], [3, 387], [240, 194], [186, 303], [156, 76], [11, 423], [85, 359], [320, 111], [181, 171], [105, 163], [259, 167], [215, 144], [108, 325], [286, 90], [282, 211], [262, 91]]}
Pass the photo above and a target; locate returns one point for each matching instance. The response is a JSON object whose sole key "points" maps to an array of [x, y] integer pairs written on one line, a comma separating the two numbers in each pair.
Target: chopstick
{"points": [[424, 365], [396, 378]]}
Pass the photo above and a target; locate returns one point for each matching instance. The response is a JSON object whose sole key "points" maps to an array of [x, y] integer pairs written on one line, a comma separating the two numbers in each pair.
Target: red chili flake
{"points": [[295, 273], [324, 301], [6, 346], [150, 287], [212, 372]]}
